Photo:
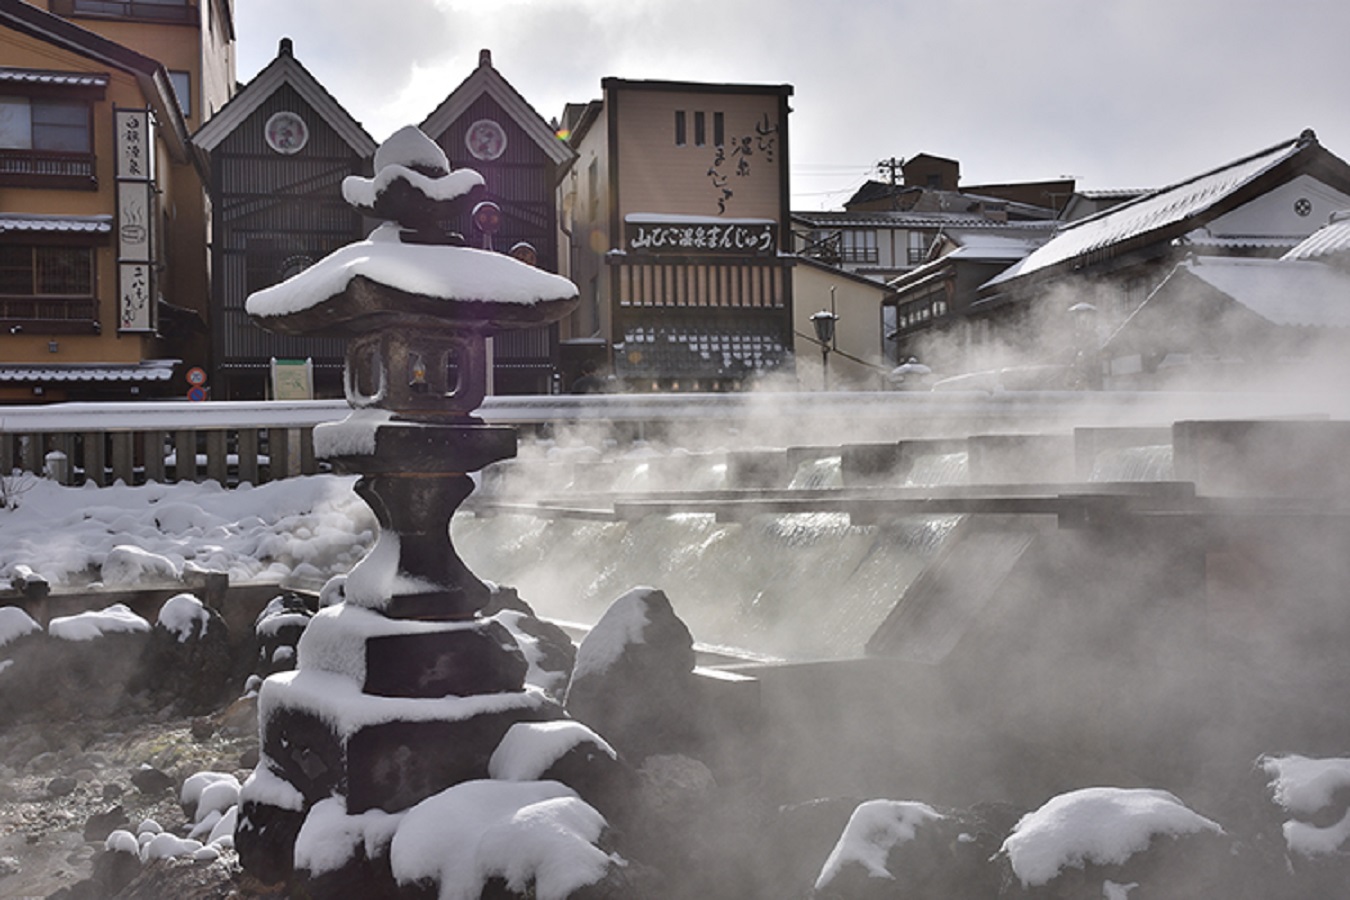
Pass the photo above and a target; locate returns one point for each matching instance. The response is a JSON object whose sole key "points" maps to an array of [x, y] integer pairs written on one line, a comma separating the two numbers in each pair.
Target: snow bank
{"points": [[872, 831], [532, 833], [529, 749], [88, 626], [1105, 826]]}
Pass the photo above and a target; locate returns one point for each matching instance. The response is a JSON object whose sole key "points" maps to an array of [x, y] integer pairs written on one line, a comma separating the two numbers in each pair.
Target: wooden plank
{"points": [[185, 454], [217, 462], [309, 464], [279, 453], [248, 455], [152, 452], [123, 456], [95, 457]]}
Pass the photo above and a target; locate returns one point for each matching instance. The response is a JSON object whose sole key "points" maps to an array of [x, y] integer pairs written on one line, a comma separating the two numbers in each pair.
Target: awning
{"points": [[16, 223], [14, 75], [149, 370]]}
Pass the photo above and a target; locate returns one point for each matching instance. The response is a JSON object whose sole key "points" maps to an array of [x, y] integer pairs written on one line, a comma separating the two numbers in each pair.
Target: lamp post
{"points": [[823, 323]]}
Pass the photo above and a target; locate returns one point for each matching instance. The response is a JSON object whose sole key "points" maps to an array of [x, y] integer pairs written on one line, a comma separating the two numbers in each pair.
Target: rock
{"points": [[61, 786], [149, 780], [189, 653], [100, 825], [113, 871], [202, 729], [277, 630], [633, 680]]}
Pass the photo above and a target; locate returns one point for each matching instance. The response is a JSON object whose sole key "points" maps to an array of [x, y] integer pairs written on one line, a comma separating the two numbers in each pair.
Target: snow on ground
{"points": [[1305, 787], [300, 530]]}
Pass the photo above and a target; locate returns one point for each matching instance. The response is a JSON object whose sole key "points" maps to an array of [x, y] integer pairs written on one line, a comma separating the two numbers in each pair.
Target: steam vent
{"points": [[404, 689]]}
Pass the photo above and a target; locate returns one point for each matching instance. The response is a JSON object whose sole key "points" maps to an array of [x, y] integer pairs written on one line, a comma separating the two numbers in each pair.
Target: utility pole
{"points": [[891, 167]]}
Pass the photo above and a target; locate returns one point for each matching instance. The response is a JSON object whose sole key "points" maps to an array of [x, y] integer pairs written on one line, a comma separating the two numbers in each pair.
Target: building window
{"points": [[919, 244], [151, 10], [679, 128], [719, 130], [45, 143], [593, 186], [700, 130], [40, 283], [182, 90], [858, 246]]}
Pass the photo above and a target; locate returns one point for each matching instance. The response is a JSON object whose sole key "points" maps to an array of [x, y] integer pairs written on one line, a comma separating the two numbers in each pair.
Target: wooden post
{"points": [[308, 464], [248, 455], [96, 457], [279, 453], [185, 452], [217, 467], [152, 447], [123, 456]]}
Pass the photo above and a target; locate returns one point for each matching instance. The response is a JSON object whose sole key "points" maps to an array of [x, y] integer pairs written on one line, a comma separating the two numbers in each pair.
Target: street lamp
{"points": [[823, 323]]}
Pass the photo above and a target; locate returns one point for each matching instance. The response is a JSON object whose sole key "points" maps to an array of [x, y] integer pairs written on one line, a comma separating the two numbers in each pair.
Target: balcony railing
{"points": [[49, 315], [47, 168]]}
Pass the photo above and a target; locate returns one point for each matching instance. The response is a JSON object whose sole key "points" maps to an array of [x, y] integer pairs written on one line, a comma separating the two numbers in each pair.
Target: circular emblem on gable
{"points": [[1303, 206], [286, 133], [485, 139]]}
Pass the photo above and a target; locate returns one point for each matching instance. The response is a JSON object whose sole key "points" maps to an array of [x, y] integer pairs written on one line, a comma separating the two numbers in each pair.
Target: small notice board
{"points": [[292, 379]]}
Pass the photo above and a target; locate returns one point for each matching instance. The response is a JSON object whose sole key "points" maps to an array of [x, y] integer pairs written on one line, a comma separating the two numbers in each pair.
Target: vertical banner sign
{"points": [[135, 220]]}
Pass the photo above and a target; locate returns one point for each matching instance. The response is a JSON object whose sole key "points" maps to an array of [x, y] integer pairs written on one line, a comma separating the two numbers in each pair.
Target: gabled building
{"points": [[486, 125], [278, 152], [1058, 303], [102, 202], [678, 232]]}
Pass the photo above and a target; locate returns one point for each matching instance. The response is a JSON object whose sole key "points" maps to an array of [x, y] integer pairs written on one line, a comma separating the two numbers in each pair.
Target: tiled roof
{"points": [[11, 75], [19, 222], [1153, 212], [1284, 293], [151, 370], [1333, 239]]}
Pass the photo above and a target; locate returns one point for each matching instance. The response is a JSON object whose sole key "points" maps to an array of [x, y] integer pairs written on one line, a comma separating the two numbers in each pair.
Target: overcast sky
{"points": [[1115, 93]]}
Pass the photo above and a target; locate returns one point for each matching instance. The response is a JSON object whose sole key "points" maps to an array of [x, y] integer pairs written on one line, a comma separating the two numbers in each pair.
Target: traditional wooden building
{"points": [[677, 232], [278, 152], [486, 125], [103, 281]]}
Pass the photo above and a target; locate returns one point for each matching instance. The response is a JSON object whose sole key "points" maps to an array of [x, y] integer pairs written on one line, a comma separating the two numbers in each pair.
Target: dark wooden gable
{"points": [[275, 214]]}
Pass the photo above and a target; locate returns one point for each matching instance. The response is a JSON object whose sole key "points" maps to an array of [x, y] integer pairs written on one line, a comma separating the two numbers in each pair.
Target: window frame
{"points": [[48, 168], [49, 312]]}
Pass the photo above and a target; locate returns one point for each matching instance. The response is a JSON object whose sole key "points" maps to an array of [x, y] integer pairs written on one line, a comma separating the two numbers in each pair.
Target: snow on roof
{"points": [[874, 828], [443, 273], [1151, 212], [1332, 239], [23, 222], [149, 370], [1103, 826], [536, 834], [15, 75], [1297, 292]]}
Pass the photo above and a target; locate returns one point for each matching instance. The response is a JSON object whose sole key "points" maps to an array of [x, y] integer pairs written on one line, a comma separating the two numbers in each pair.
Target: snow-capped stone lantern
{"points": [[403, 689], [416, 306]]}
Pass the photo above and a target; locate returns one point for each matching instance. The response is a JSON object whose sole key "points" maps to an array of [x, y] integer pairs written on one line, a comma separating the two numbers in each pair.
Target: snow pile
{"points": [[1103, 826], [621, 625], [150, 842], [88, 626], [307, 528], [329, 837], [214, 799], [180, 613], [1304, 787], [873, 830], [14, 624], [531, 833], [396, 158], [529, 749]]}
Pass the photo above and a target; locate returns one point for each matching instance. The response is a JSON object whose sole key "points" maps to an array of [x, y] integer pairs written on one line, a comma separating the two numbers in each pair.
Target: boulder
{"points": [[633, 681], [189, 654]]}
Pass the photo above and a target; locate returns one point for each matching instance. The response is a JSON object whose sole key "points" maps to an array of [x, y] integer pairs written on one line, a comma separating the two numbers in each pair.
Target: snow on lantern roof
{"points": [[430, 280], [409, 155]]}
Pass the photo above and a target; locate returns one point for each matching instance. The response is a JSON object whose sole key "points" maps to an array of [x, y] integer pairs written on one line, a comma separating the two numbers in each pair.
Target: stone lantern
{"points": [[415, 305]]}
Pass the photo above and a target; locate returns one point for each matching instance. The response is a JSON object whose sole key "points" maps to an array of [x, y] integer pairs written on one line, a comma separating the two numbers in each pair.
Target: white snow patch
{"points": [[165, 846], [15, 623], [353, 436], [1105, 826], [127, 564], [621, 625], [88, 626], [266, 787], [536, 834], [528, 749], [1113, 891], [335, 639], [1304, 786], [535, 674], [178, 614], [329, 836], [872, 831]]}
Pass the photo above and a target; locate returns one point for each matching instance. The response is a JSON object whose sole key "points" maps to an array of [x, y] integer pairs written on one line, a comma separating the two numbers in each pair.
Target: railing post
{"points": [[217, 446], [123, 456], [279, 452], [152, 451], [31, 452], [185, 455], [7, 447], [248, 455], [65, 442], [95, 458], [308, 463]]}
